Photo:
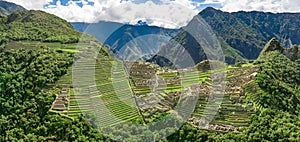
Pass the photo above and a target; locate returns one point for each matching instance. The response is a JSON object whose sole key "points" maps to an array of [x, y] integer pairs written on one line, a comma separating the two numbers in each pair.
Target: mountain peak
{"points": [[210, 9], [7, 8], [272, 45]]}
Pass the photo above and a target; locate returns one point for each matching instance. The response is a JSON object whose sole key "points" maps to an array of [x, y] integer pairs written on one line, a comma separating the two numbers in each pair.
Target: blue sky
{"points": [[154, 12], [80, 3], [166, 13], [65, 3]]}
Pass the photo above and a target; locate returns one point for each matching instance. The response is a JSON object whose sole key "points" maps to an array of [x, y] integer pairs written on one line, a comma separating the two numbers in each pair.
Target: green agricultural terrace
{"points": [[127, 91], [37, 44]]}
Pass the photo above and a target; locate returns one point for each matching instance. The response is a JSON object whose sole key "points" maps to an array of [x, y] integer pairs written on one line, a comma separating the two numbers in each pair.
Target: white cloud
{"points": [[167, 13], [261, 5], [31, 4]]}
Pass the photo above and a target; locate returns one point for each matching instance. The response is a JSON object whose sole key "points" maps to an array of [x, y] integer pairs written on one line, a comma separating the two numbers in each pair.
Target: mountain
{"points": [[37, 26], [187, 44], [101, 30], [133, 42], [80, 26], [242, 35], [247, 32], [293, 53], [32, 60], [7, 8], [272, 45], [40, 103]]}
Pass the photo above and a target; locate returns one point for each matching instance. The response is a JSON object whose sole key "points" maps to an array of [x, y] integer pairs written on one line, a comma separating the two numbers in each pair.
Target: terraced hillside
{"points": [[36, 44], [65, 103], [99, 84], [30, 66], [158, 98], [130, 91], [155, 90], [234, 112]]}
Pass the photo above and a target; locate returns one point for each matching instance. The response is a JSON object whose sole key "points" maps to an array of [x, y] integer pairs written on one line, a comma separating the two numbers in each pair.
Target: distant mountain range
{"points": [[7, 8], [242, 35], [130, 42]]}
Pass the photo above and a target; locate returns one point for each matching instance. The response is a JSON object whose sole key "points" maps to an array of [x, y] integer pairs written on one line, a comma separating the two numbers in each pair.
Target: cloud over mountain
{"points": [[165, 13], [261, 5]]}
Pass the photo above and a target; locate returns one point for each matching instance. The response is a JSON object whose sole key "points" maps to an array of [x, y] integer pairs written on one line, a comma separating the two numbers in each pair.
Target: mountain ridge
{"points": [[293, 53], [37, 26], [7, 8], [242, 34], [135, 42], [253, 29]]}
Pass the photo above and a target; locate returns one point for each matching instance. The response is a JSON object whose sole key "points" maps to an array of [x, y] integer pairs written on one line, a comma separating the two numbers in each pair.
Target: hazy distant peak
{"points": [[7, 8]]}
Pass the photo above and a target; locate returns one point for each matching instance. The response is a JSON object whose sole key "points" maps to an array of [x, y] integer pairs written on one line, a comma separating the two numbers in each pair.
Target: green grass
{"points": [[69, 50], [173, 89], [196, 77], [111, 86], [37, 44]]}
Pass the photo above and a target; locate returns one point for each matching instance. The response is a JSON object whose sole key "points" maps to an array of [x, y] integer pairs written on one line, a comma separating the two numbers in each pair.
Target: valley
{"points": [[58, 84]]}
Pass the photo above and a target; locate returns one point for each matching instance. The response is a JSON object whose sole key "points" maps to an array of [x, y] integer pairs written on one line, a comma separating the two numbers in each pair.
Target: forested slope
{"points": [[37, 26], [249, 31], [275, 94], [27, 75]]}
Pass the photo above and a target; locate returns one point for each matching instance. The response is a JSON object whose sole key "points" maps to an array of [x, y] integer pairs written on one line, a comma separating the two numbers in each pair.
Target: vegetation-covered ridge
{"points": [[37, 26], [248, 32], [275, 95], [35, 54], [242, 35], [293, 53], [191, 48], [25, 107]]}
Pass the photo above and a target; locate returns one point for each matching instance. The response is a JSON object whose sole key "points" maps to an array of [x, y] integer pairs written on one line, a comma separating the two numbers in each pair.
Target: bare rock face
{"points": [[272, 45], [293, 53]]}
